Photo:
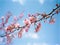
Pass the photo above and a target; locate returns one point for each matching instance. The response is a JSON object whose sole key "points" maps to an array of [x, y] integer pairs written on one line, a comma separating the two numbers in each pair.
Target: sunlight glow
{"points": [[41, 1]]}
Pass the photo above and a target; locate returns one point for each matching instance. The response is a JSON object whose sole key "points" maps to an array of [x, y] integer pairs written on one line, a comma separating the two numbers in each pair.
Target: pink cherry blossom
{"points": [[27, 22], [38, 27], [17, 25], [26, 29], [52, 21], [9, 39], [32, 19], [20, 33]]}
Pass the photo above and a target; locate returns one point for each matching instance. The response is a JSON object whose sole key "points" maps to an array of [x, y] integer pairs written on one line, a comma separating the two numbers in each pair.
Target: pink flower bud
{"points": [[26, 29], [21, 15], [57, 5], [15, 18], [56, 11], [29, 15]]}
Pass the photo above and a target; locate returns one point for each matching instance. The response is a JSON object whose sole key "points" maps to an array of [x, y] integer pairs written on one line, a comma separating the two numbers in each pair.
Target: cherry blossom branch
{"points": [[51, 13], [44, 16]]}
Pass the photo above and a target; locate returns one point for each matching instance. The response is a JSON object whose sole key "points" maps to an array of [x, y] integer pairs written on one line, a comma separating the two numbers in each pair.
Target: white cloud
{"points": [[33, 43], [40, 44], [32, 35], [36, 44], [57, 44], [41, 1], [22, 2], [44, 44], [28, 43]]}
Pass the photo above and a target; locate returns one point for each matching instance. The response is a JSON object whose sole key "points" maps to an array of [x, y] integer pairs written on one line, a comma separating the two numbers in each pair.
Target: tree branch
{"points": [[50, 14]]}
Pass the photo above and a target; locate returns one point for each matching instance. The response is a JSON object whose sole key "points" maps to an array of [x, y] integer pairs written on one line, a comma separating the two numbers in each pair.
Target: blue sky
{"points": [[49, 34]]}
